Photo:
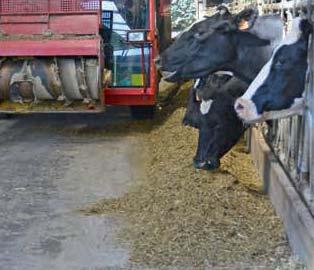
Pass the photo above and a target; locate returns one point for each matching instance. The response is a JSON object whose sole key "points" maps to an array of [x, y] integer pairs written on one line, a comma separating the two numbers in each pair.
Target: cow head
{"points": [[201, 94], [277, 90], [219, 128], [209, 45], [213, 83]]}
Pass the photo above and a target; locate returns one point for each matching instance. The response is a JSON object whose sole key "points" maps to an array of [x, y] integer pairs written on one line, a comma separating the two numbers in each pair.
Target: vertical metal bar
{"points": [[48, 14], [100, 11], [143, 68], [311, 113]]}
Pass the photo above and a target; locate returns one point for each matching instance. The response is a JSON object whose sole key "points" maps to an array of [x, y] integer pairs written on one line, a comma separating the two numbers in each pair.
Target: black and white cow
{"points": [[201, 93], [277, 90], [241, 44], [219, 126]]}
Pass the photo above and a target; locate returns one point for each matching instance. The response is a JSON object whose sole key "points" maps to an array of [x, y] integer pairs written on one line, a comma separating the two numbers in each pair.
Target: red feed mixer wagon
{"points": [[80, 55]]}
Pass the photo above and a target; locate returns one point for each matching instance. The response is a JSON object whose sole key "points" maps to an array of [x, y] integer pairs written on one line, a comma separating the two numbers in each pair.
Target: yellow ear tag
{"points": [[243, 25]]}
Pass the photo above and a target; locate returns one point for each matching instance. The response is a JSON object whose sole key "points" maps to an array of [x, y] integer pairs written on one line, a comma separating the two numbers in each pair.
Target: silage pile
{"points": [[182, 217]]}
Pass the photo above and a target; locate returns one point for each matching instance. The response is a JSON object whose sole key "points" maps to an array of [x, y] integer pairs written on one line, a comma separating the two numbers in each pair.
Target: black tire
{"points": [[143, 112]]}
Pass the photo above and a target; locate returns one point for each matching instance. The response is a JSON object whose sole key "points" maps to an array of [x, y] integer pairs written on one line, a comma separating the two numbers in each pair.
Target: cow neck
{"points": [[249, 61], [237, 69]]}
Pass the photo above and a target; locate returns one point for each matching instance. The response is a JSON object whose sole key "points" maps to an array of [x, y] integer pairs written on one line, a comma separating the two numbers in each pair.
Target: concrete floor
{"points": [[45, 176]]}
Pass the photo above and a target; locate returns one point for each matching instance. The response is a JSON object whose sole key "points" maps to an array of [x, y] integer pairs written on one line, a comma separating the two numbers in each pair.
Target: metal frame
{"points": [[292, 139], [145, 95]]}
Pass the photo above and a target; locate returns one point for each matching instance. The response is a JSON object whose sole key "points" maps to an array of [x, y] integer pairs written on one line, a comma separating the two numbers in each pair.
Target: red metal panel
{"points": [[129, 97], [48, 6], [24, 29], [84, 47], [24, 24], [154, 50], [74, 24], [23, 19], [61, 16], [57, 24], [69, 6], [23, 6]]}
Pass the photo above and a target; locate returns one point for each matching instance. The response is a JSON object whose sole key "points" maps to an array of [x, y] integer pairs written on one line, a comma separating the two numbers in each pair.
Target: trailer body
{"points": [[78, 55]]}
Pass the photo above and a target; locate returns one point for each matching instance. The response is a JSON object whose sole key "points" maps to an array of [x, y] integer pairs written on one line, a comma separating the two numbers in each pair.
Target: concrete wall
{"points": [[297, 220]]}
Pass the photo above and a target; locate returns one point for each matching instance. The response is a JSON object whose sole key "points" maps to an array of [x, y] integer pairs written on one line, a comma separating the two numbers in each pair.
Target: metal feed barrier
{"points": [[292, 139]]}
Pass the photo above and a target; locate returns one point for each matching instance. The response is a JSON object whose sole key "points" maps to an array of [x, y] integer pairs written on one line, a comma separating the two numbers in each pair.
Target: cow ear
{"points": [[250, 40], [223, 10], [245, 19]]}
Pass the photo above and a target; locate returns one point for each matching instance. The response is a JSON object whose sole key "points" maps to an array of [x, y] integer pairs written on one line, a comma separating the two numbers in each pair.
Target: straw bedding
{"points": [[185, 218]]}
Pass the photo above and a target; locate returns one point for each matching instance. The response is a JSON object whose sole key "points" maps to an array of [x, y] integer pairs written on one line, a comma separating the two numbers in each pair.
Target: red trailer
{"points": [[79, 55]]}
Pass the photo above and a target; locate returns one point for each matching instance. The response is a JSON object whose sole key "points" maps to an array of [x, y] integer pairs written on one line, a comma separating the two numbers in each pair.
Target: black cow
{"points": [[241, 44], [219, 127], [277, 90], [202, 89]]}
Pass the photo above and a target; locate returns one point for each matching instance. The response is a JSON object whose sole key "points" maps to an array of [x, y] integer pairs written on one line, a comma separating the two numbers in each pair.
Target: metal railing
{"points": [[292, 139]]}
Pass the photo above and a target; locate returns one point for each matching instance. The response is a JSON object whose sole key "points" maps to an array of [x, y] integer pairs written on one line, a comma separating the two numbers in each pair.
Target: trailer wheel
{"points": [[142, 112]]}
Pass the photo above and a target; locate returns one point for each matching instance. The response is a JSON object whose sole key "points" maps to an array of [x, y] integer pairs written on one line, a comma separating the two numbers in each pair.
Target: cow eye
{"points": [[279, 63]]}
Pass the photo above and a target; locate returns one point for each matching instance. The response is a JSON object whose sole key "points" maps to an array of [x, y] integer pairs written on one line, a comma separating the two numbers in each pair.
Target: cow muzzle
{"points": [[168, 75], [206, 165], [246, 110]]}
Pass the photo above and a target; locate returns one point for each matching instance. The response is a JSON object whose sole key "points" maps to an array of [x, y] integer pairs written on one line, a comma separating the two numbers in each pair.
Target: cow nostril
{"points": [[239, 106]]}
